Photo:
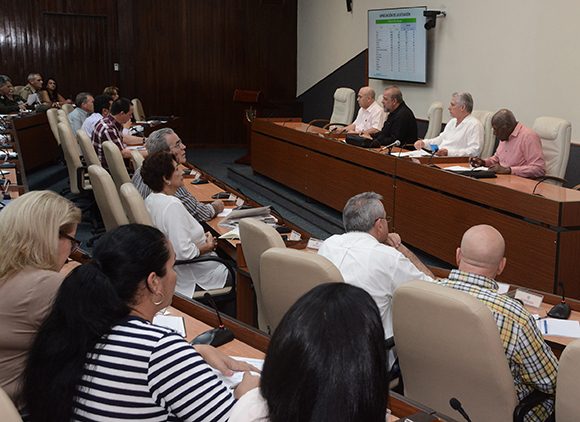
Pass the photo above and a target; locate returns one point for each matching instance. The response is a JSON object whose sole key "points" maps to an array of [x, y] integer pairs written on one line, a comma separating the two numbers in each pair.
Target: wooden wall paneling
{"points": [[428, 219], [69, 40]]}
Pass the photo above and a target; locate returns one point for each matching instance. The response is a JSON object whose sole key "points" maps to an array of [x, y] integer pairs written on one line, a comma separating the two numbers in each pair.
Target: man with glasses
{"points": [[370, 257], [401, 124], [463, 134], [167, 140]]}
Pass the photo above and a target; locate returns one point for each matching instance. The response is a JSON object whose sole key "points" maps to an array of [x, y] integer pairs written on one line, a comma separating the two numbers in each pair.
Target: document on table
{"points": [[232, 234], [170, 321], [413, 154], [225, 212], [559, 327], [465, 168], [233, 381]]}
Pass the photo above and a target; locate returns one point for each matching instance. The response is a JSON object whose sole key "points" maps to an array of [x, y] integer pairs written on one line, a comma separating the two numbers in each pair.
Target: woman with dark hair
{"points": [[50, 95], [98, 357], [326, 362], [162, 174]]}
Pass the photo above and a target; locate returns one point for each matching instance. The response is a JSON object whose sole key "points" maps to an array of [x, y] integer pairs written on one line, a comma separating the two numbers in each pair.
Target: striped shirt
{"points": [[201, 212], [143, 372], [531, 361]]}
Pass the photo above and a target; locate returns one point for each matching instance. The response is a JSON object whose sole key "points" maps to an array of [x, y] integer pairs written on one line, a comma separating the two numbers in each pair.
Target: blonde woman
{"points": [[36, 236]]}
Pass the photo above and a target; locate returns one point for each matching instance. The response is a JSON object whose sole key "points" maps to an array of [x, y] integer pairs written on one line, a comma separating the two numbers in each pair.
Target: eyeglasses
{"points": [[177, 144], [387, 219], [75, 243]]}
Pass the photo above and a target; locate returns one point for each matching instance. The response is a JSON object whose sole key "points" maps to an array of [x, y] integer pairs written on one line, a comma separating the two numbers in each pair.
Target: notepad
{"points": [[172, 322], [233, 381], [559, 327]]}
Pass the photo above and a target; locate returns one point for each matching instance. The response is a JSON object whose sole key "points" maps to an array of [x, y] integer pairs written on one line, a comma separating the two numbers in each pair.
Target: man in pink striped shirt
{"points": [[519, 151]]}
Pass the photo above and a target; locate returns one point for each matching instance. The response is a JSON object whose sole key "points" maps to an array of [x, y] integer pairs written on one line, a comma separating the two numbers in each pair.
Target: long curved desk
{"points": [[432, 208]]}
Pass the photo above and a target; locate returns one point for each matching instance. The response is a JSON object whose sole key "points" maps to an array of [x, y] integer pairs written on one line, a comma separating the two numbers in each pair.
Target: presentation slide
{"points": [[398, 44]]}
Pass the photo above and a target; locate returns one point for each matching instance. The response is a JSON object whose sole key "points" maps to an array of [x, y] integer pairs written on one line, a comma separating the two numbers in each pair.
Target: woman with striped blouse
{"points": [[98, 357]]}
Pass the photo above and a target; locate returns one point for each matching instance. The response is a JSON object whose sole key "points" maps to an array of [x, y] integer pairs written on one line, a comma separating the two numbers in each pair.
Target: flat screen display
{"points": [[398, 44]]}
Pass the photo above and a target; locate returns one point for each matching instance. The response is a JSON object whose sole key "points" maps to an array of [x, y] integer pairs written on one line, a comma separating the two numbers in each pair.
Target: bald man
{"points": [[480, 259], [369, 114], [519, 151]]}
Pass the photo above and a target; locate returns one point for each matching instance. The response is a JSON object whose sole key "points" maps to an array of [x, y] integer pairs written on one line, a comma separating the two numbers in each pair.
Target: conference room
{"points": [[229, 86]]}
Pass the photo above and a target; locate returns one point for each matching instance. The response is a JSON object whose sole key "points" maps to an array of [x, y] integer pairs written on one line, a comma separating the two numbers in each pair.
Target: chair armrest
{"points": [[533, 399], [228, 264], [326, 126], [313, 122]]}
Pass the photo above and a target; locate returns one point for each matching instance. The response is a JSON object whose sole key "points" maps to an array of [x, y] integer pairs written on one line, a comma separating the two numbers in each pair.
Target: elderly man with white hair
{"points": [[480, 259], [463, 134], [370, 257]]}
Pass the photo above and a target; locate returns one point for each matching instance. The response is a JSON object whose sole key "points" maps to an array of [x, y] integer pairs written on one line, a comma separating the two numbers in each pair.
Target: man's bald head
{"points": [[482, 251]]}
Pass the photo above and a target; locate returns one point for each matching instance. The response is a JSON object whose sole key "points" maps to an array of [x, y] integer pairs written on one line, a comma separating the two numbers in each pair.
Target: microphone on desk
{"points": [[561, 310], [456, 405], [543, 179], [216, 336], [391, 145]]}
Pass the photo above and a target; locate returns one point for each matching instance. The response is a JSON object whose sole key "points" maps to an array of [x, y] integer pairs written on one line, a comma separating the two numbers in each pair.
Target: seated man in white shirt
{"points": [[463, 135], [368, 119], [102, 106], [370, 257], [84, 108]]}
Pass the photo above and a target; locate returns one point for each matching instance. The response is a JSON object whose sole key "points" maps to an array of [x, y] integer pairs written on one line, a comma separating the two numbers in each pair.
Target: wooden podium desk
{"points": [[35, 141], [432, 208]]}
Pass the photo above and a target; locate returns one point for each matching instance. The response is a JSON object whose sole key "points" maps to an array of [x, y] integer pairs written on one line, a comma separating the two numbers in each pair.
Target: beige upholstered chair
{"points": [[67, 108], [89, 153], [568, 384], [287, 274], [52, 116], [484, 117], [343, 109], [107, 198], [18, 89], [62, 118], [138, 112], [136, 159], [134, 205], [555, 134], [435, 117], [116, 164], [76, 170], [449, 346], [8, 412], [257, 238]]}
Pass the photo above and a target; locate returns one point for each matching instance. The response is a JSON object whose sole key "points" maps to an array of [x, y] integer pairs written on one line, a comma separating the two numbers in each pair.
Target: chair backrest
{"points": [[555, 134], [257, 238], [67, 108], [138, 112], [134, 205], [52, 116], [107, 198], [343, 110], [435, 117], [62, 118], [116, 164], [568, 383], [71, 157], [8, 412], [287, 274], [136, 159], [87, 148], [449, 346], [18, 89], [484, 117]]}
